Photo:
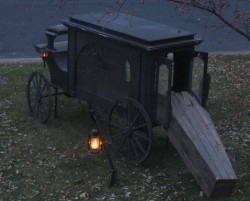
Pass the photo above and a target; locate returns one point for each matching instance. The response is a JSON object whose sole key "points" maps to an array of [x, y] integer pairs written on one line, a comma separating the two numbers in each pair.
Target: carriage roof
{"points": [[133, 30]]}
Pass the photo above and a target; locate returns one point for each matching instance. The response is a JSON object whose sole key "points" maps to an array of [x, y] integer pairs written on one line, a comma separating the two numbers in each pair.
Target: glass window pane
{"points": [[163, 79], [197, 76], [127, 66]]}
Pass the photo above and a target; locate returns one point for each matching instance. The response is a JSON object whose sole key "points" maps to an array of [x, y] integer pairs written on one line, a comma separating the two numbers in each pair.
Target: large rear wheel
{"points": [[39, 97], [130, 130]]}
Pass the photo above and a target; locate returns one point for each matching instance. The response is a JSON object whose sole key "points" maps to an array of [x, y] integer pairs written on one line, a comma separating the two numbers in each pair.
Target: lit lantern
{"points": [[44, 55], [95, 143]]}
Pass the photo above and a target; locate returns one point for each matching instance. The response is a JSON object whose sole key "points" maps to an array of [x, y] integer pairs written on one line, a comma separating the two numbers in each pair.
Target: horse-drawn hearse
{"points": [[145, 74]]}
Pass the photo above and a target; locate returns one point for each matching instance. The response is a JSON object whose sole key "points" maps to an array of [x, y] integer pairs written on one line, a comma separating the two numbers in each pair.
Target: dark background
{"points": [[22, 22]]}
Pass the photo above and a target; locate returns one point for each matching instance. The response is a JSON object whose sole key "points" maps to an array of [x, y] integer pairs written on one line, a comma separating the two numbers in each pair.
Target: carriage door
{"points": [[164, 82], [199, 79]]}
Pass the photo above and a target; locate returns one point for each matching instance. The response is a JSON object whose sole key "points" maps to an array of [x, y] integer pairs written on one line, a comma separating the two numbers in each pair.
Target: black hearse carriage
{"points": [[145, 74]]}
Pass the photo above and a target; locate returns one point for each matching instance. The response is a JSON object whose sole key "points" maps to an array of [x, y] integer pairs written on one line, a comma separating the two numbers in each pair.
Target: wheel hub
{"points": [[38, 96]]}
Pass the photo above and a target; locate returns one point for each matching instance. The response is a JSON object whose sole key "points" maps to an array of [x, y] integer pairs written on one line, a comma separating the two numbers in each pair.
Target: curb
{"points": [[38, 59], [20, 60], [231, 53]]}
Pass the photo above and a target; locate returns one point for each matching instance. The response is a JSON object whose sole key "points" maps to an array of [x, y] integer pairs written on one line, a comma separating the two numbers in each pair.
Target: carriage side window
{"points": [[197, 73], [163, 79], [127, 67], [164, 85]]}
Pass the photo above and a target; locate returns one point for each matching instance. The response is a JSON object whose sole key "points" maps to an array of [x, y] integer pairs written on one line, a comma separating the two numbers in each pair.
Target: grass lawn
{"points": [[50, 161]]}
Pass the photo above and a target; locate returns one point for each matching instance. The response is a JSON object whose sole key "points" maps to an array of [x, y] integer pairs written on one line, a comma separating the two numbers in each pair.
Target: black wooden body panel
{"points": [[148, 93], [57, 62], [71, 61], [97, 64]]}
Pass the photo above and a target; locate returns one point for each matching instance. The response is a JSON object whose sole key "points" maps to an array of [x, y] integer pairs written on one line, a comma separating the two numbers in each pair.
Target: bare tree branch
{"points": [[216, 10], [240, 24]]}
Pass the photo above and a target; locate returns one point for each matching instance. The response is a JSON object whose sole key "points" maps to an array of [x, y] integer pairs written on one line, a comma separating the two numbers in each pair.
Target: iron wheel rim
{"points": [[39, 97], [130, 130]]}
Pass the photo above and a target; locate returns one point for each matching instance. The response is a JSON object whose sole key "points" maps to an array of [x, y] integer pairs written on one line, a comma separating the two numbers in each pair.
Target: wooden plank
{"points": [[193, 134]]}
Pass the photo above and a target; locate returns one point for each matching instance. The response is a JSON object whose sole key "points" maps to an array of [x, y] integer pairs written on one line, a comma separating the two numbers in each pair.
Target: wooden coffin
{"points": [[193, 134]]}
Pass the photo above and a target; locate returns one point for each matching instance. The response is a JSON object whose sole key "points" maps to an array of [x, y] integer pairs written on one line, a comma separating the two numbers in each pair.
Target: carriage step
{"points": [[193, 134]]}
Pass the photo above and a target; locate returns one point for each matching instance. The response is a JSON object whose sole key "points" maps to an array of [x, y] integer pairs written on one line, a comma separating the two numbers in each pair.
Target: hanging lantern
{"points": [[95, 144]]}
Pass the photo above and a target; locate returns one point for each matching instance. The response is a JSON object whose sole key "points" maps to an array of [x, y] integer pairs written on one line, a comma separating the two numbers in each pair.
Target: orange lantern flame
{"points": [[95, 143]]}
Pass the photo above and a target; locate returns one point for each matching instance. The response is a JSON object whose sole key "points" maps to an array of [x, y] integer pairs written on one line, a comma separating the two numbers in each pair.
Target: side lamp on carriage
{"points": [[44, 55]]}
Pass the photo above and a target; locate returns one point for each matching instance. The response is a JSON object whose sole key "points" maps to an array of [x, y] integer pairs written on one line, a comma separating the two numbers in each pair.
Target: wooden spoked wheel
{"points": [[39, 97], [130, 130]]}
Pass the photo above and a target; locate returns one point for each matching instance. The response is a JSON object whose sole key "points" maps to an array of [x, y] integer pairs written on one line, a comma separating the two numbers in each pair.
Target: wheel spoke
{"points": [[43, 109], [119, 134], [38, 110], [120, 115], [43, 88], [128, 121], [33, 107], [36, 81], [135, 119], [45, 96], [138, 127], [140, 136], [139, 145], [122, 143], [43, 106], [34, 85], [43, 112], [128, 148], [135, 149], [40, 83], [115, 126], [39, 97], [124, 115], [47, 103], [128, 113]]}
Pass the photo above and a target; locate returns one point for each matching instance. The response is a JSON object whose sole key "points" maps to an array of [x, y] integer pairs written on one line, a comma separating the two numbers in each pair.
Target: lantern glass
{"points": [[94, 143]]}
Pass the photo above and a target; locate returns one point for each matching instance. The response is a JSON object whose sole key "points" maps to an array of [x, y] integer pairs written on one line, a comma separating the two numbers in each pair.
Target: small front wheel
{"points": [[130, 130], [39, 97]]}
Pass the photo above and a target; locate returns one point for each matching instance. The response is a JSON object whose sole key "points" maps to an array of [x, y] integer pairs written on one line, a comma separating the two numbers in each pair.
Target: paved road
{"points": [[23, 22]]}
